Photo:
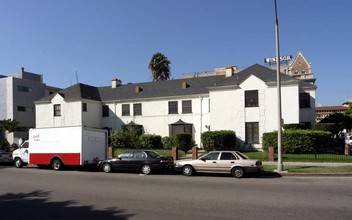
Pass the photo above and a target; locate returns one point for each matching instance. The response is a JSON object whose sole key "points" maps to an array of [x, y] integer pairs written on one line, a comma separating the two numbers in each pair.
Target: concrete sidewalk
{"points": [[308, 164]]}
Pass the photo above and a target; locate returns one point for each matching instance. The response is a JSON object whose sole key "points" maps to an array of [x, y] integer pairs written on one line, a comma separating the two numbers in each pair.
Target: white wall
{"points": [[156, 119], [221, 109]]}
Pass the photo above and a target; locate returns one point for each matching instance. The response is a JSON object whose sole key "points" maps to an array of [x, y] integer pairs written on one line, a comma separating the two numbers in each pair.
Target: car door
{"points": [[137, 160], [122, 161], [208, 163], [226, 161], [23, 152]]}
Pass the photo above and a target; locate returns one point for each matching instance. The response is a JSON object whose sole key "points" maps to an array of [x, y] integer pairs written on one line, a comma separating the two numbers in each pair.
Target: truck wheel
{"points": [[56, 164], [146, 169], [107, 168], [18, 163]]}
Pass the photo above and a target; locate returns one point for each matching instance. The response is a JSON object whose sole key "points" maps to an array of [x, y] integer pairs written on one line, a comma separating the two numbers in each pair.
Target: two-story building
{"points": [[245, 102]]}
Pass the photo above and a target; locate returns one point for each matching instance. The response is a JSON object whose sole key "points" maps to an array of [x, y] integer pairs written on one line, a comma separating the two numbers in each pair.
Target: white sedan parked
{"points": [[227, 162]]}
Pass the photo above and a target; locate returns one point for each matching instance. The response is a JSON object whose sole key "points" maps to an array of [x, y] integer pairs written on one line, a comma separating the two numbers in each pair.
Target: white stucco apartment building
{"points": [[18, 92], [245, 102]]}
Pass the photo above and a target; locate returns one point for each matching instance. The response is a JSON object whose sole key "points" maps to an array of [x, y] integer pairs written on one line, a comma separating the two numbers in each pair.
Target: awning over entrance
{"points": [[180, 127], [133, 126]]}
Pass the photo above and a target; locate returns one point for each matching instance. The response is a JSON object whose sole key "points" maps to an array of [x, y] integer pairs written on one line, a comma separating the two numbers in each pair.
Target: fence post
{"points": [[110, 152], [174, 153], [194, 153], [347, 149], [271, 153]]}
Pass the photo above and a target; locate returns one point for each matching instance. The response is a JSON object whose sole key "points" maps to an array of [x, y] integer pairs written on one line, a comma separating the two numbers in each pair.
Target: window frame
{"points": [[252, 132], [57, 110], [186, 106], [24, 89], [173, 107], [137, 109], [105, 111], [304, 100], [125, 110], [251, 98], [84, 107]]}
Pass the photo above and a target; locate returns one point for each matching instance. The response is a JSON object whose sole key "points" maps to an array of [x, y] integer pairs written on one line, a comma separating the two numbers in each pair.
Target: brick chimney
{"points": [[115, 83], [228, 71]]}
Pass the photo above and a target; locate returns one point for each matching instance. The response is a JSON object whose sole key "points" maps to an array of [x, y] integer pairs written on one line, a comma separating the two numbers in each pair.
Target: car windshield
{"points": [[153, 154]]}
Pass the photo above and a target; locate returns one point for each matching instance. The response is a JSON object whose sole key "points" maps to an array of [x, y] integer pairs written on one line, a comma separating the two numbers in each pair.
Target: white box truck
{"points": [[59, 146]]}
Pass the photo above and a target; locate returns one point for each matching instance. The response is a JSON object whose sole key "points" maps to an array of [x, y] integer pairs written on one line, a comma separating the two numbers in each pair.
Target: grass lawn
{"points": [[337, 158], [310, 169]]}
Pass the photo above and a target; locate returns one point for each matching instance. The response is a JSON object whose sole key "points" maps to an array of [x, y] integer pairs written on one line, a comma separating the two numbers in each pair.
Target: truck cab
{"points": [[20, 156]]}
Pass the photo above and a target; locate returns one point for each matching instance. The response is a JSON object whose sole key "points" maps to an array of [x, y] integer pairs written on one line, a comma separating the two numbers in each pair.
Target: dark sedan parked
{"points": [[145, 161]]}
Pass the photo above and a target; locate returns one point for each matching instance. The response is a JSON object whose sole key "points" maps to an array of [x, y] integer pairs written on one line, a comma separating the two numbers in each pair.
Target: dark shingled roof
{"points": [[169, 88], [76, 92]]}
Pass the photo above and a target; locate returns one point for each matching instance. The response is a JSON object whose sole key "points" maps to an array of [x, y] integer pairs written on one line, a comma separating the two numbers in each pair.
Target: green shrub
{"points": [[150, 141], [184, 141], [299, 141], [296, 126], [219, 140], [127, 138], [168, 142]]}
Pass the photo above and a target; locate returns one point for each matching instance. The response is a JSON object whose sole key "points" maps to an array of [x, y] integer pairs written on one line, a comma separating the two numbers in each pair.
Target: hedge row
{"points": [[219, 140], [129, 138], [299, 141]]}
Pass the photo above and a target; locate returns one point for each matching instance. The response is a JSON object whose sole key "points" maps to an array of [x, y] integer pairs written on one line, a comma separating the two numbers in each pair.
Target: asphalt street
{"points": [[32, 193]]}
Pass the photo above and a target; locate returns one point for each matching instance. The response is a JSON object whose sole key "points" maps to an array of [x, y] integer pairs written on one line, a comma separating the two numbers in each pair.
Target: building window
{"points": [[57, 110], [24, 89], [179, 128], [105, 111], [173, 107], [304, 100], [24, 109], [187, 106], [84, 107], [137, 109], [21, 108], [251, 98], [125, 109], [252, 132]]}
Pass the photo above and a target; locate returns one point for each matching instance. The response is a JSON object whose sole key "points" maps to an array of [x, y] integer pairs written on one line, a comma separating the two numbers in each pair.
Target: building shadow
{"points": [[37, 205]]}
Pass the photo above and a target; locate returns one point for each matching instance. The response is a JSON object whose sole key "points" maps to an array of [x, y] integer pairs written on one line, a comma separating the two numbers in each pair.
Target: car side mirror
{"points": [[203, 159]]}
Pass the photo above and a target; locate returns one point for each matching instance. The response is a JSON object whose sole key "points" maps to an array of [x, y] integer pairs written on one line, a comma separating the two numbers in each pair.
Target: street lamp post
{"points": [[279, 117]]}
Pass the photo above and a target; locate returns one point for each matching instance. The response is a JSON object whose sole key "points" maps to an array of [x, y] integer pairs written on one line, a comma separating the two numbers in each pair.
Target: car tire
{"points": [[146, 169], [18, 163], [187, 170], [237, 172], [107, 167], [56, 164]]}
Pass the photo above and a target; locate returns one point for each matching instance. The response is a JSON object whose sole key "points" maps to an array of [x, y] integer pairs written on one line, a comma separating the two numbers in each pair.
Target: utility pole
{"points": [[279, 117]]}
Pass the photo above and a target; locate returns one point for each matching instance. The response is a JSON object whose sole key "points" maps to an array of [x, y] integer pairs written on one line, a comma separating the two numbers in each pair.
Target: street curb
{"points": [[315, 174]]}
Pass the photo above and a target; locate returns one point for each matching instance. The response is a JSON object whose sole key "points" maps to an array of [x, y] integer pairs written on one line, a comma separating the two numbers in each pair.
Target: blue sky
{"points": [[105, 39]]}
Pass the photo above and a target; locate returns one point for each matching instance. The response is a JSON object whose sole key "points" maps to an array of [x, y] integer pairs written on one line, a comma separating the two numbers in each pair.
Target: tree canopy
{"points": [[160, 67], [8, 125]]}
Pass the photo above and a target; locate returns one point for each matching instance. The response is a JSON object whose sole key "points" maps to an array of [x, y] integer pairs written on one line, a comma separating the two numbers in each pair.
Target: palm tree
{"points": [[159, 66]]}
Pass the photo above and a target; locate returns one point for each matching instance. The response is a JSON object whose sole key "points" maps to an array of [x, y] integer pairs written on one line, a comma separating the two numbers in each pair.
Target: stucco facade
{"points": [[245, 103], [18, 93]]}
